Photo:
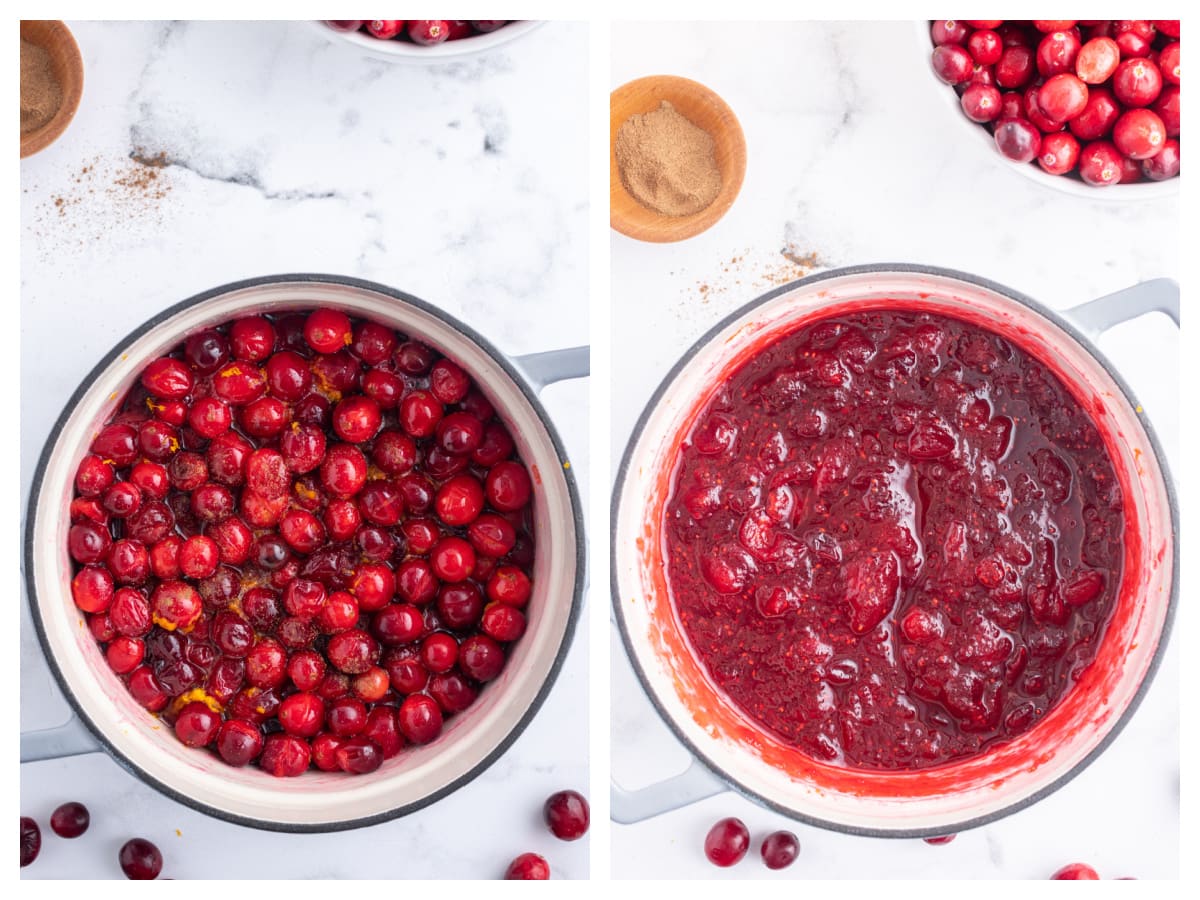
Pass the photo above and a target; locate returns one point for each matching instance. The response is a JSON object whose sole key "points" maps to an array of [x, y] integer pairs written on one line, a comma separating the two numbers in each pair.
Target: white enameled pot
{"points": [[314, 801], [732, 751]]}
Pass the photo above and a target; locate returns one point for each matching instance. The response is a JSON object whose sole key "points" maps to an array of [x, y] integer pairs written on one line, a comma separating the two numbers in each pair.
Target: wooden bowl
{"points": [[56, 39], [703, 108]]}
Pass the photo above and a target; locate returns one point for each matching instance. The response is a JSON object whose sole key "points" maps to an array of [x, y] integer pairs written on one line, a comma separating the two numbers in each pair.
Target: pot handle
{"points": [[693, 784], [1156, 295], [71, 738], [550, 366]]}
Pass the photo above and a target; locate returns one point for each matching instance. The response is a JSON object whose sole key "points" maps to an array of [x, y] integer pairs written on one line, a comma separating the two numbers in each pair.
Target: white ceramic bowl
{"points": [[973, 138], [931, 801], [314, 801], [447, 51]]}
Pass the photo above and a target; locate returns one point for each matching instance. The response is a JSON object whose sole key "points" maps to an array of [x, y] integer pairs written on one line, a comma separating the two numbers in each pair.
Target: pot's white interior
{"points": [[930, 800], [312, 799]]}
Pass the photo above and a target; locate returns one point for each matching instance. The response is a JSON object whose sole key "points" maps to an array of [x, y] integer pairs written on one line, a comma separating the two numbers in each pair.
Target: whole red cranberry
{"points": [[1137, 82], [528, 867], [140, 860], [420, 718], [1063, 97], [1139, 134], [384, 29], [1075, 872], [1165, 165], [285, 755], [727, 842], [940, 840], [70, 820], [1015, 68], [1018, 139], [1059, 153], [567, 815], [239, 741], [358, 755], [1100, 164], [428, 32], [31, 841], [952, 64], [780, 849], [1097, 60], [981, 102]]}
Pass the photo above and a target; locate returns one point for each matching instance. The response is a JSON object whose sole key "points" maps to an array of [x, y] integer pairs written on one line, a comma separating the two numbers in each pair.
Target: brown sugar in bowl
{"points": [[56, 39], [703, 108]]}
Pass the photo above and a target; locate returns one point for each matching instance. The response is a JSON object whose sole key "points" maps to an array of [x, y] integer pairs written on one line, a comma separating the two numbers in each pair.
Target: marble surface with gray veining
{"points": [[273, 149], [851, 157]]}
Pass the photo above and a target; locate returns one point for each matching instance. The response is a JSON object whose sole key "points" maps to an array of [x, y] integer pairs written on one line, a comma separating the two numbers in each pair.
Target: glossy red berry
{"points": [[528, 867], [780, 849], [567, 815], [727, 842], [140, 860], [70, 820]]}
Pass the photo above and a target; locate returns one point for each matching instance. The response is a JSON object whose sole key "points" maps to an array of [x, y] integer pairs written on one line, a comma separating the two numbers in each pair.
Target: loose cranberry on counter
{"points": [[31, 841], [780, 849], [70, 820], [567, 814], [941, 840], [528, 867], [727, 842], [1075, 872], [140, 860]]}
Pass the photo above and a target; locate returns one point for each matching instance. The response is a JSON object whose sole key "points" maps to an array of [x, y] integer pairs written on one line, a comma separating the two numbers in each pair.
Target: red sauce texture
{"points": [[893, 539]]}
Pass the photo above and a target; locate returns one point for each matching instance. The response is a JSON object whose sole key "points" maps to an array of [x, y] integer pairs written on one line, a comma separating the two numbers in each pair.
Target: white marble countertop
{"points": [[463, 184], [851, 157]]}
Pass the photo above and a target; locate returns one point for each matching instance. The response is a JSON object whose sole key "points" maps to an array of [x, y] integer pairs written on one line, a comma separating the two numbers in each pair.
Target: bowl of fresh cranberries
{"points": [[894, 550], [425, 40], [1089, 107], [306, 553]]}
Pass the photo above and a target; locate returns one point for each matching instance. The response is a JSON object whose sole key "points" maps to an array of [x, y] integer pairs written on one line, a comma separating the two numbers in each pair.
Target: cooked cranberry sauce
{"points": [[893, 539], [303, 540]]}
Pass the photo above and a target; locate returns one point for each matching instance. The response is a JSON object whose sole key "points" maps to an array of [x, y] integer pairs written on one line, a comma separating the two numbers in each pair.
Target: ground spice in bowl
{"points": [[668, 163], [41, 91]]}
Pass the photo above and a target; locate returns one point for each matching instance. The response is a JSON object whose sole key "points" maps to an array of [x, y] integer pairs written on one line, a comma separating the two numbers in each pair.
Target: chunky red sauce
{"points": [[893, 539]]}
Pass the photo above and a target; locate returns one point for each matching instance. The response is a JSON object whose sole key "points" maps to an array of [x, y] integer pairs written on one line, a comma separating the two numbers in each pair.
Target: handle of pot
{"points": [[1157, 295], [69, 739], [556, 365], [693, 784]]}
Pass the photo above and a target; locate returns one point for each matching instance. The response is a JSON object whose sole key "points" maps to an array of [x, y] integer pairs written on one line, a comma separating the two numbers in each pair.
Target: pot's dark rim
{"points": [[531, 397], [623, 474]]}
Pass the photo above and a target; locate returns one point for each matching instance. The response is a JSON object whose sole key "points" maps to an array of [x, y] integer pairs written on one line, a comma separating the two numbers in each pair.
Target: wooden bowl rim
{"points": [[646, 224], [66, 58]]}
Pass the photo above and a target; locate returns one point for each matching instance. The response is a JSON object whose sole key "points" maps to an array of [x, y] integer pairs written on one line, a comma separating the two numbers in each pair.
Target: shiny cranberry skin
{"points": [[324, 751], [285, 755], [1097, 60], [356, 419], [1057, 52], [567, 815], [140, 860], [381, 503], [508, 486], [239, 742], [1137, 82], [92, 589], [266, 664], [303, 448], [1017, 139], [452, 559], [452, 692], [1165, 165], [383, 731], [373, 343], [88, 542], [1015, 68], [416, 582], [727, 842], [439, 652], [397, 623], [1167, 107], [428, 31], [124, 654], [359, 756], [502, 622], [302, 714], [419, 414], [70, 820], [780, 849], [941, 840], [288, 376], [985, 47], [116, 444], [239, 383], [420, 718], [384, 29], [1139, 133], [93, 476], [146, 690], [1100, 164], [1062, 97], [31, 841], [394, 452], [1168, 63], [344, 471], [167, 379], [1075, 872], [460, 500], [1098, 116], [460, 605], [952, 64], [528, 867], [130, 613], [407, 674], [491, 535], [352, 652], [480, 657], [252, 339], [373, 586], [197, 725], [339, 613], [176, 604], [346, 716], [509, 585], [206, 351], [981, 103], [949, 31], [187, 471]]}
